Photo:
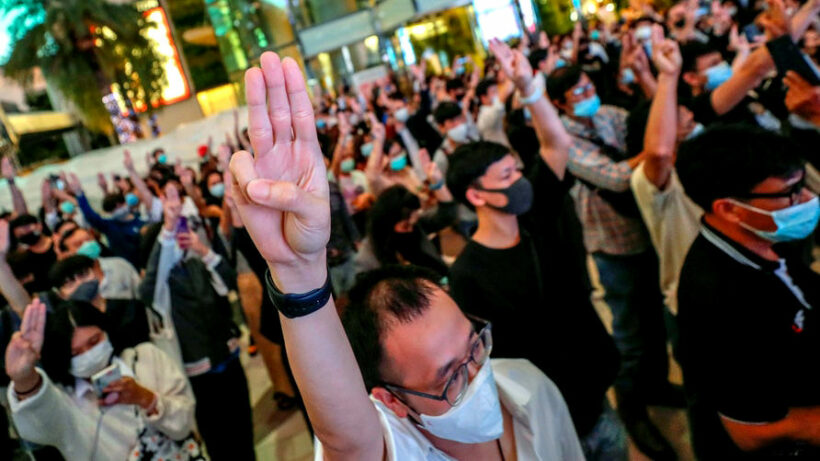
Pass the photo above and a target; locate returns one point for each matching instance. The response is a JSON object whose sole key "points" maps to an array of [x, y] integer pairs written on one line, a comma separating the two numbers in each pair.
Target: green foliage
{"points": [[82, 46]]}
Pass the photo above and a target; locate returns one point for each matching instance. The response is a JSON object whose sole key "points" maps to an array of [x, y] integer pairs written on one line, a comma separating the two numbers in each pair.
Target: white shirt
{"points": [[491, 123], [67, 418], [542, 426], [120, 279], [673, 222]]}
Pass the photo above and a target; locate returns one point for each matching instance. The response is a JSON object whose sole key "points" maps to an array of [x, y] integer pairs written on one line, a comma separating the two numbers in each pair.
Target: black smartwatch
{"points": [[294, 305]]}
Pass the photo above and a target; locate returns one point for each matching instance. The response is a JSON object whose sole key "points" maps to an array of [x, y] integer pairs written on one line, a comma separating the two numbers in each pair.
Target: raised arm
{"points": [[144, 193], [375, 163], [661, 128], [804, 17], [282, 196], [12, 289], [17, 199], [552, 136]]}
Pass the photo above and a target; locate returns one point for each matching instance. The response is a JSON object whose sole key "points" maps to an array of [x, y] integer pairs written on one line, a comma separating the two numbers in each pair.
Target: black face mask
{"points": [[29, 239], [679, 23], [519, 197], [86, 291]]}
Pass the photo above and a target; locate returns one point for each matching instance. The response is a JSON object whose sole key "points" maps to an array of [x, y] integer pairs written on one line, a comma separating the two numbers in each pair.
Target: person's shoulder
{"points": [[468, 260], [514, 375], [115, 262], [614, 111]]}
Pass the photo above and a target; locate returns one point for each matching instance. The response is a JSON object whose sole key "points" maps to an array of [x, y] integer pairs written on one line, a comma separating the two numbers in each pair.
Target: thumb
{"points": [[282, 195]]}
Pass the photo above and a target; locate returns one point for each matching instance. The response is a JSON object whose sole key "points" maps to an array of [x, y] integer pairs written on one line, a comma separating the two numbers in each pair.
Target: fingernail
{"points": [[258, 191]]}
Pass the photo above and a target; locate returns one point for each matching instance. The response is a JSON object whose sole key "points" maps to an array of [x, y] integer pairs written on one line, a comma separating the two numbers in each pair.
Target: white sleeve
{"points": [[47, 418], [174, 414], [211, 260]]}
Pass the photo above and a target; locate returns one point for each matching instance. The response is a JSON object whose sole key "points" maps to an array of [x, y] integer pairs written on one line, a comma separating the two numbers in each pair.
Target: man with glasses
{"points": [[525, 267], [617, 239], [404, 329], [747, 299]]}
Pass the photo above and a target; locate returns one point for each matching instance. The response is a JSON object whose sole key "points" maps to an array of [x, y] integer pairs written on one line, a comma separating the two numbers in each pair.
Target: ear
{"points": [[390, 401], [403, 226], [726, 210], [562, 106], [691, 78], [474, 198]]}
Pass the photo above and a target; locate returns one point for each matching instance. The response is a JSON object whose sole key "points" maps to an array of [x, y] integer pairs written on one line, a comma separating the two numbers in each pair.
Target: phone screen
{"points": [[105, 377], [182, 226]]}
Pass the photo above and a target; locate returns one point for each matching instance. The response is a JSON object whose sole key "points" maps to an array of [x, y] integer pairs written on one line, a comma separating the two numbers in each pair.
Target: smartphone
{"points": [[752, 32], [104, 378], [787, 56], [182, 225]]}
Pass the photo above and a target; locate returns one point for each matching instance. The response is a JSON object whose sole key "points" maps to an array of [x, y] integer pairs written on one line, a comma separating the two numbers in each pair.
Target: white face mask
{"points": [[93, 360], [459, 134], [402, 115], [476, 419], [698, 129]]}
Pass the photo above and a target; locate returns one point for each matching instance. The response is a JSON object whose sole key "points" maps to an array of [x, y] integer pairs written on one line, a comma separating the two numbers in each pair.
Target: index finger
{"points": [[301, 111]]}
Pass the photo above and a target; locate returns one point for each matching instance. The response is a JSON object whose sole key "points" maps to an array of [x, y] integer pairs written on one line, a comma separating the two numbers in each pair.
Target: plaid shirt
{"points": [[605, 230]]}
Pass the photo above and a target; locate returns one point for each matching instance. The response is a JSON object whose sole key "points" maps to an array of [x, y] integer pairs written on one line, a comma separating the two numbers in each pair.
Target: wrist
{"points": [[26, 384], [148, 401], [301, 276]]}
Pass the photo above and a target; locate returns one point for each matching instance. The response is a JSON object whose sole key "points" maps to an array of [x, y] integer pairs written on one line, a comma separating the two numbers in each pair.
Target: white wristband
{"points": [[536, 94]]}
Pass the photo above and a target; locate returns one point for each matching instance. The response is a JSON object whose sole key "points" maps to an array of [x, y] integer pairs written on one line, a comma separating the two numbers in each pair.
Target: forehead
{"points": [[80, 235], [777, 184], [414, 351], [82, 335], [501, 167]]}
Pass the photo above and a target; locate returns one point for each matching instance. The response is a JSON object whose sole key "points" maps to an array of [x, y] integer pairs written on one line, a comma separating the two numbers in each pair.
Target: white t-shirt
{"points": [[673, 221], [490, 124], [541, 423]]}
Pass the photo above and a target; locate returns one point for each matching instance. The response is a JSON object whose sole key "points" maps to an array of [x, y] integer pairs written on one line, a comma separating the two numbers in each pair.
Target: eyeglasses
{"points": [[582, 89], [792, 193], [456, 386]]}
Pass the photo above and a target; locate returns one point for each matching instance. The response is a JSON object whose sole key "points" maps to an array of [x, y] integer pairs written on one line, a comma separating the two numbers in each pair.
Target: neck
{"points": [[697, 91], [743, 237], [496, 229], [42, 245]]}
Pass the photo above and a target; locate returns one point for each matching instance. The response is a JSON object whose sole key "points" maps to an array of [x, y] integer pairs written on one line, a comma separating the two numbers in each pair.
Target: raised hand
{"points": [[377, 130], [543, 40], [171, 207], [514, 64], [23, 350], [802, 98], [74, 183], [127, 391], [7, 168], [282, 192], [102, 182], [774, 20], [127, 161], [224, 157], [666, 56], [45, 193]]}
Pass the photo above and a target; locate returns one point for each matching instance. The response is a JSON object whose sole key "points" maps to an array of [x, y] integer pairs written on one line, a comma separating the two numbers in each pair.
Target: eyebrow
{"points": [[442, 372]]}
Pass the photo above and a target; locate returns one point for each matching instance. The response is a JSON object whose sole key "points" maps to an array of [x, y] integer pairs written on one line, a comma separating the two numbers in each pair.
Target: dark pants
{"points": [[633, 294], [223, 413]]}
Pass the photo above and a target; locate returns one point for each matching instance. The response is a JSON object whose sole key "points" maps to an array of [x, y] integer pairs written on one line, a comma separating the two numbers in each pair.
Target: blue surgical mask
{"points": [[595, 35], [588, 107], [162, 159], [92, 249], [367, 148], [67, 207], [347, 165], [321, 124], [717, 74], [398, 163], [627, 76], [697, 130], [217, 190], [793, 223], [559, 63], [131, 199], [527, 114]]}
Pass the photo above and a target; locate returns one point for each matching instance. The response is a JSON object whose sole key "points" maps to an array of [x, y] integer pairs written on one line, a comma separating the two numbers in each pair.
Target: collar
{"points": [[736, 251], [514, 397]]}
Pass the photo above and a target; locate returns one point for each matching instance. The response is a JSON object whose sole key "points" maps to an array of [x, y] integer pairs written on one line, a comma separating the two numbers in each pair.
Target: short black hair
{"points": [[484, 86], [561, 80], [454, 83], [536, 56], [66, 235], [68, 269], [394, 204], [112, 201], [447, 110], [22, 220], [396, 96], [691, 51], [636, 128], [470, 162], [381, 298], [60, 324], [730, 160]]}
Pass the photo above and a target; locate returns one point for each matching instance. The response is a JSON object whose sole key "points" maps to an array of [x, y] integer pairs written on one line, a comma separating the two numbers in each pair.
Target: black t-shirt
{"points": [[537, 295], [32, 268], [128, 322], [749, 344], [701, 107]]}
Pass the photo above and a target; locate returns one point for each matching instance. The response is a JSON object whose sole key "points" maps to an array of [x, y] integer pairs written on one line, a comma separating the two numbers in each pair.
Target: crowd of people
{"points": [[415, 259]]}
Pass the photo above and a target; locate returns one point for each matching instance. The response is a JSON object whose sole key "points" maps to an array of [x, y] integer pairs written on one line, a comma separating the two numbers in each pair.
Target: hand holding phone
{"points": [[104, 378]]}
